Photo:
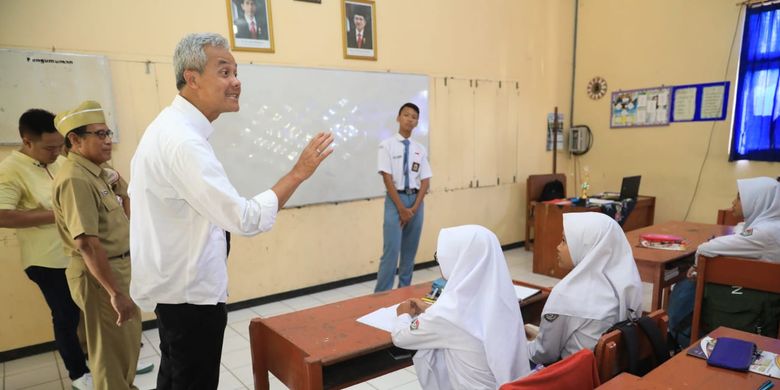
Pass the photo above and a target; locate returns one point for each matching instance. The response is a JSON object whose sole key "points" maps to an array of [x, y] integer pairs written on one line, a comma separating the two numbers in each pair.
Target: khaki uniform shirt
{"points": [[84, 203], [25, 184]]}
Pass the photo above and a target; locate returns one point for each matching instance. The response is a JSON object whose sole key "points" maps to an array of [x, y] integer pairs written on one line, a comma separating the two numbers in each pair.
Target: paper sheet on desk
{"points": [[600, 201], [524, 292], [381, 318]]}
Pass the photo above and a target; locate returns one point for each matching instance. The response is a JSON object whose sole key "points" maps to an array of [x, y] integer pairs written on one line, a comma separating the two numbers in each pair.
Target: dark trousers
{"points": [[65, 316], [191, 345]]}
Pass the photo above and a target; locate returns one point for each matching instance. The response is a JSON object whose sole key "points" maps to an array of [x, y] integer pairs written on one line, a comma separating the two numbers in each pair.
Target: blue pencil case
{"points": [[733, 354]]}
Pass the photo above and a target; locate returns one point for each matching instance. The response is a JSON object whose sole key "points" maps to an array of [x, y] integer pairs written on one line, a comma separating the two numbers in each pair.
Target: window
{"points": [[757, 112]]}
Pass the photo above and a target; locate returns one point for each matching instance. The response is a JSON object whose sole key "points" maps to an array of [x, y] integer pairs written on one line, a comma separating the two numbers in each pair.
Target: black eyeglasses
{"points": [[102, 134]]}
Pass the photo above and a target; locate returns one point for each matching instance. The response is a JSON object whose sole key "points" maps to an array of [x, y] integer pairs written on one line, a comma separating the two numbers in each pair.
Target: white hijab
{"points": [[605, 280], [760, 197], [480, 300]]}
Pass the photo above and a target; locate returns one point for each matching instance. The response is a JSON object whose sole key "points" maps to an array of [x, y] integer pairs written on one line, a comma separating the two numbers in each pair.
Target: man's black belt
{"points": [[409, 191], [122, 256]]}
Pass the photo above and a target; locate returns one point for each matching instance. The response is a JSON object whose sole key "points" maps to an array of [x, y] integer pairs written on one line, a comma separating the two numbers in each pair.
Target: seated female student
{"points": [[472, 337], [758, 201], [601, 290]]}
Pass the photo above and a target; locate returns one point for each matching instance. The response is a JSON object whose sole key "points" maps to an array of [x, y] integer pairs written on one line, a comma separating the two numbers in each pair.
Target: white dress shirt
{"points": [[182, 202], [390, 160]]}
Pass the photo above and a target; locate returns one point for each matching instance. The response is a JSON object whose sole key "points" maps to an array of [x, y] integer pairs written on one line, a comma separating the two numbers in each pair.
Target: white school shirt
{"points": [[182, 203], [565, 335], [760, 237], [438, 367], [391, 160]]}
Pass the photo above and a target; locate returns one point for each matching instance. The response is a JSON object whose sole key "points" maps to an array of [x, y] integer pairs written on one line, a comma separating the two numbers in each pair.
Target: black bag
{"points": [[552, 190], [630, 330], [740, 308]]}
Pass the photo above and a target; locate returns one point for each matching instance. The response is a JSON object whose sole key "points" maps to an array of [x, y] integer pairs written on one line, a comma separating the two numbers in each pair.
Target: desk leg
{"points": [[259, 363], [658, 291]]}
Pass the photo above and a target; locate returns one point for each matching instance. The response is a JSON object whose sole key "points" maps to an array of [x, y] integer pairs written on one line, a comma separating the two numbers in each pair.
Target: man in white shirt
{"points": [[183, 203], [403, 165]]}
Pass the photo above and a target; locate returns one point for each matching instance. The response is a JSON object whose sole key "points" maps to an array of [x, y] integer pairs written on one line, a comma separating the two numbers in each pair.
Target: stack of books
{"points": [[663, 241]]}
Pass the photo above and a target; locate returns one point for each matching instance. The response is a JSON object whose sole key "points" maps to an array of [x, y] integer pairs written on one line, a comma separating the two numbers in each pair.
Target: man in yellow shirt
{"points": [[26, 177], [94, 229]]}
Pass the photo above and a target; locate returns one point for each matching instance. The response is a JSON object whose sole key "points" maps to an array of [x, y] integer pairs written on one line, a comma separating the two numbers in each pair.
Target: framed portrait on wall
{"points": [[359, 29], [251, 26]]}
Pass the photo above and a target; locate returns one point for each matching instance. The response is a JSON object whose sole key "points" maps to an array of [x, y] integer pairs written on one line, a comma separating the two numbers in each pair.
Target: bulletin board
{"points": [[700, 102], [52, 81], [640, 107]]}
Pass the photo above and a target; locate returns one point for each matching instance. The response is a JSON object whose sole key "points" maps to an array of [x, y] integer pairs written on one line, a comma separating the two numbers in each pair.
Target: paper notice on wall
{"points": [[684, 104], [712, 102]]}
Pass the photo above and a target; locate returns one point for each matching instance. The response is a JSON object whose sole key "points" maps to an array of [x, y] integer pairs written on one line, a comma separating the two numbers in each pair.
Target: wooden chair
{"points": [[754, 274], [533, 187], [576, 372], [610, 356], [727, 217]]}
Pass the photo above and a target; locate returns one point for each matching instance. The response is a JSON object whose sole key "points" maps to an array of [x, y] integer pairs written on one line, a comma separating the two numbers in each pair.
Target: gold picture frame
{"points": [[242, 36], [357, 44]]}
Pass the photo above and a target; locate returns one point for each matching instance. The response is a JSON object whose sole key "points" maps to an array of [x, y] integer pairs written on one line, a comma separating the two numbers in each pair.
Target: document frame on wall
{"points": [[644, 107], [700, 102], [250, 25]]}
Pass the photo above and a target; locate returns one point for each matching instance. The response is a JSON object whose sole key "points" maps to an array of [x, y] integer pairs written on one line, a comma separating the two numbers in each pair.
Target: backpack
{"points": [[552, 190], [630, 330], [740, 308]]}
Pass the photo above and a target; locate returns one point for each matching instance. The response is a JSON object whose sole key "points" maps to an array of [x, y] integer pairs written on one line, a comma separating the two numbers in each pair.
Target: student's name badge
{"points": [[415, 167]]}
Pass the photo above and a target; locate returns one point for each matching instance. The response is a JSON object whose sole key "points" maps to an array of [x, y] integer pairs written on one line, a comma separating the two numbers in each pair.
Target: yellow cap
{"points": [[87, 113]]}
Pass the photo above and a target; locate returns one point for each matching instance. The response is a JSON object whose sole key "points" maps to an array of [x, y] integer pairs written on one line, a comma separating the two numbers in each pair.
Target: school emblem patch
{"points": [[747, 232], [550, 317], [414, 325]]}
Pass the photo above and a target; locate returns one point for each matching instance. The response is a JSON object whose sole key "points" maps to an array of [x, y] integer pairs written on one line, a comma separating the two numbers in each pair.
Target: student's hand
{"points": [[419, 306], [312, 155], [124, 307], [531, 331], [691, 272], [405, 215], [405, 307]]}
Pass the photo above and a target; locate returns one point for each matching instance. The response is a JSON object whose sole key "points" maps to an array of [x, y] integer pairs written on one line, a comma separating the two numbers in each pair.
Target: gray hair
{"points": [[190, 54]]}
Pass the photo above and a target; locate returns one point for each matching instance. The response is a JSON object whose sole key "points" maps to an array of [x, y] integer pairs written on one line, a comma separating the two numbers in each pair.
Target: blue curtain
{"points": [[757, 112]]}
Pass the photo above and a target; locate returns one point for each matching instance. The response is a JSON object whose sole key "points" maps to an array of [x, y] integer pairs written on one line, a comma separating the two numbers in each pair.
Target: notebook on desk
{"points": [[628, 189]]}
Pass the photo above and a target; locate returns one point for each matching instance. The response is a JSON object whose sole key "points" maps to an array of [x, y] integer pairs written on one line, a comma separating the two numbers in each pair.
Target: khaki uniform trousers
{"points": [[113, 350]]}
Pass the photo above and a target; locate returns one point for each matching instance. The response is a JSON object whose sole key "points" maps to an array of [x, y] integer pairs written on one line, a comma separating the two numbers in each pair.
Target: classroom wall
{"points": [[640, 44], [523, 43]]}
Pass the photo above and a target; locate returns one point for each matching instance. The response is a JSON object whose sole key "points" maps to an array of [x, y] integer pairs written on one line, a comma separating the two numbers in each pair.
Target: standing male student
{"points": [[26, 178], [183, 203], [403, 164], [94, 229]]}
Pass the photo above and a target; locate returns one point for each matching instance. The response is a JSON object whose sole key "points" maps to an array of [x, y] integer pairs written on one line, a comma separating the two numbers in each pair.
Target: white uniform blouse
{"points": [[564, 336], [462, 368]]}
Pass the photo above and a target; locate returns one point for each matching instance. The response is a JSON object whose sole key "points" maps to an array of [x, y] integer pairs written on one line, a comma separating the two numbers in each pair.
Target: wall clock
{"points": [[597, 88]]}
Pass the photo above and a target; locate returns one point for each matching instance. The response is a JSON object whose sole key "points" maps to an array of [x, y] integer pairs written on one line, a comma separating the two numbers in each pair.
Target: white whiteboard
{"points": [[51, 81], [282, 108]]}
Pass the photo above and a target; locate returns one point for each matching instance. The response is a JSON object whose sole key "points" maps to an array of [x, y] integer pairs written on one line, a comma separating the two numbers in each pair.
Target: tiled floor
{"points": [[46, 371]]}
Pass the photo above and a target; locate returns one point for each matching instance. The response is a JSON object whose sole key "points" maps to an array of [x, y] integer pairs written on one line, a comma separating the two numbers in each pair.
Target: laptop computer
{"points": [[629, 189]]}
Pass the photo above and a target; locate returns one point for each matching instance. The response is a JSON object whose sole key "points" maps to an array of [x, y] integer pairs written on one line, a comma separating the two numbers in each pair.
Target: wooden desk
{"points": [[653, 263], [687, 372], [325, 347], [628, 381], [548, 230]]}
